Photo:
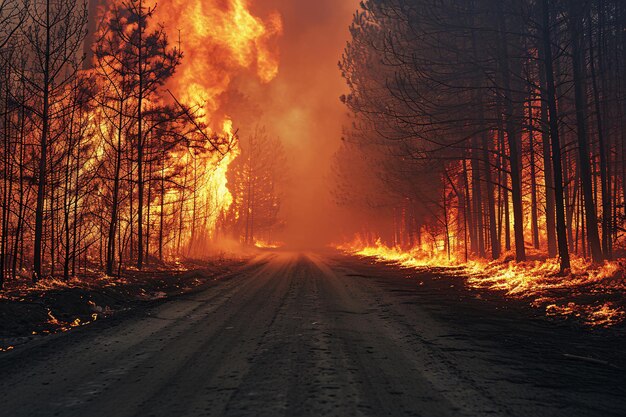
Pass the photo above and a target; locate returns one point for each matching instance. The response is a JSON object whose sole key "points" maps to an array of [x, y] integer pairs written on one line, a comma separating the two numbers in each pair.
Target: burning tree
{"points": [[132, 62], [259, 176], [54, 34], [121, 159]]}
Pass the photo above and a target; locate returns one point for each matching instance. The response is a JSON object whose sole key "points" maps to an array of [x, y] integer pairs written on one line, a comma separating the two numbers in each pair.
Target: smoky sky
{"points": [[302, 107]]}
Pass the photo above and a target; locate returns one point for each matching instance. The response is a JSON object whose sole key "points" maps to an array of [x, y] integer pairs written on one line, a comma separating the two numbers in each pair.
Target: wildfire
{"points": [[536, 280], [219, 40], [218, 183], [262, 244], [414, 258]]}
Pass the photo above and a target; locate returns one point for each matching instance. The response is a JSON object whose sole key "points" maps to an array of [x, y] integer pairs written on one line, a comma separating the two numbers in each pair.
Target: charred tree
{"points": [[576, 14]]}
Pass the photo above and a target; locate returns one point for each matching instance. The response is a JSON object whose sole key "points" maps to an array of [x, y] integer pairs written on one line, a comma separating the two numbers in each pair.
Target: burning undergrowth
{"points": [[589, 294]]}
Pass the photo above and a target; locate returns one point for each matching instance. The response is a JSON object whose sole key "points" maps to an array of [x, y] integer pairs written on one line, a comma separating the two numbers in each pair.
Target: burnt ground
{"points": [[317, 335], [442, 291], [558, 362], [29, 312]]}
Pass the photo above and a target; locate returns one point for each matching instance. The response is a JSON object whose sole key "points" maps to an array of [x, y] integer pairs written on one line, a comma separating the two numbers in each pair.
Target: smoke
{"points": [[301, 106]]}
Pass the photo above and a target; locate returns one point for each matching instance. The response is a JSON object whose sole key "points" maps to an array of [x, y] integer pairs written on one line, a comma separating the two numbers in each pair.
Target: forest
{"points": [[112, 158], [250, 208], [494, 131]]}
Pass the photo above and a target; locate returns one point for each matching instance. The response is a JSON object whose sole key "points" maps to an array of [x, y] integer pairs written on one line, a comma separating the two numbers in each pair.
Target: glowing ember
{"points": [[63, 326], [606, 314]]}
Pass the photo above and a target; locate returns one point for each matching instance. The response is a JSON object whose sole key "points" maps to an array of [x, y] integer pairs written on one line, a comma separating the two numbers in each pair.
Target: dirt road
{"points": [[306, 335]]}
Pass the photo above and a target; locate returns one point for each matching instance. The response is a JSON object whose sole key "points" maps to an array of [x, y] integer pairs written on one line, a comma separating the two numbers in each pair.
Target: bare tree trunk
{"points": [[76, 228], [43, 157], [504, 183], [513, 139], [6, 182], [181, 222], [478, 241], [446, 222], [468, 210], [547, 161], [604, 165], [20, 216], [140, 183], [561, 231], [533, 177], [162, 211], [194, 208], [53, 223], [491, 202], [576, 28], [248, 205], [149, 203], [66, 196], [110, 255]]}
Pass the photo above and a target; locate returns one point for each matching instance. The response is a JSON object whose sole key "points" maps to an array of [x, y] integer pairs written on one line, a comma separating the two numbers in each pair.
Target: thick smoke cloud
{"points": [[302, 107]]}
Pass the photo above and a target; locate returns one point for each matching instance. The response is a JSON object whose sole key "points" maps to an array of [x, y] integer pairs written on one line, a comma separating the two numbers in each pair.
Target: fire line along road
{"points": [[302, 334]]}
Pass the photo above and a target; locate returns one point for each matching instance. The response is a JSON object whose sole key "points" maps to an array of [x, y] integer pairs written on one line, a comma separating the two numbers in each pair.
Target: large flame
{"points": [[220, 39]]}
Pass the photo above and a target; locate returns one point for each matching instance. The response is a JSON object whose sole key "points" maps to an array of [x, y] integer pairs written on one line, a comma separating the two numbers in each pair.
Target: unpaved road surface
{"points": [[306, 335]]}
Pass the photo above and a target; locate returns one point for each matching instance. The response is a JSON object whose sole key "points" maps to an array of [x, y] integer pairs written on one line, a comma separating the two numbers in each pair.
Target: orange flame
{"points": [[536, 280], [220, 39], [263, 244]]}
